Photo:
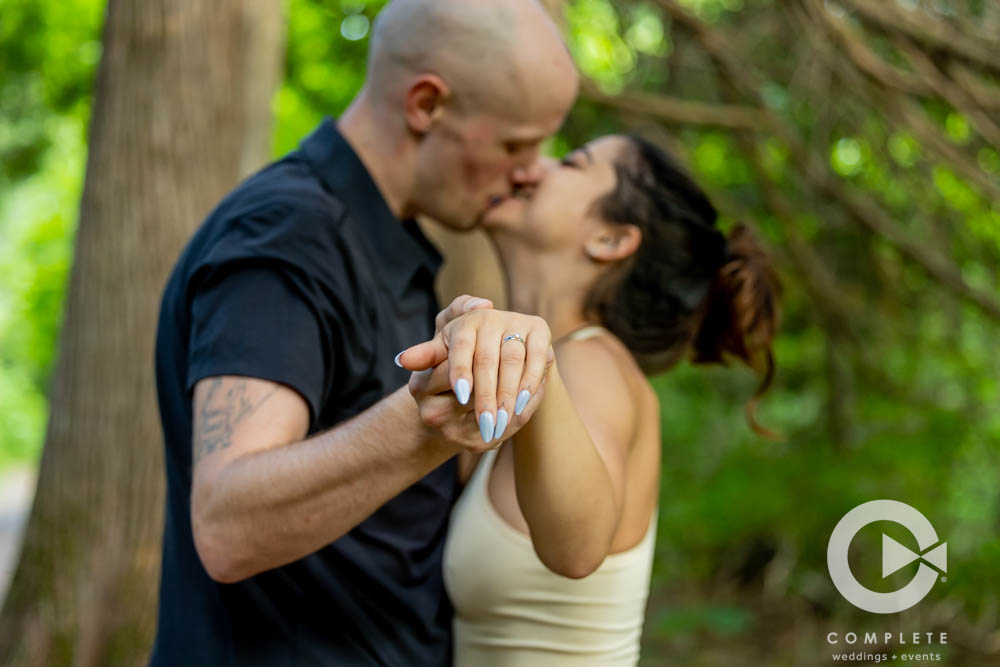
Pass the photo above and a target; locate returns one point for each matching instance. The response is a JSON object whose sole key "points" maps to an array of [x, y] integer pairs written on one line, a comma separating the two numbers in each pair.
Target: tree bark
{"points": [[471, 265], [182, 111]]}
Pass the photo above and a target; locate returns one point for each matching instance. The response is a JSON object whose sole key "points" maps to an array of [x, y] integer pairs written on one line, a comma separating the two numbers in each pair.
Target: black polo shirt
{"points": [[303, 276]]}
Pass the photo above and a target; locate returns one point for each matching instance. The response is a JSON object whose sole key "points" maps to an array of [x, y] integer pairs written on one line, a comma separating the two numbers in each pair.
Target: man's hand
{"points": [[459, 306], [503, 356]]}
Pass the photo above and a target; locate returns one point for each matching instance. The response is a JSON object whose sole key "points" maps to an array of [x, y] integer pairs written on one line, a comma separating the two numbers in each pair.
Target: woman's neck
{"points": [[543, 287]]}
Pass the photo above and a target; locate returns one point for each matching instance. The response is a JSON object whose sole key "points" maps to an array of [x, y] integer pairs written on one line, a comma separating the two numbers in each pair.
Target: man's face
{"points": [[470, 163]]}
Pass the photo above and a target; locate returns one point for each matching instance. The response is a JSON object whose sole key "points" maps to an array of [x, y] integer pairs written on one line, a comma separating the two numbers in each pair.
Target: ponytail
{"points": [[742, 315]]}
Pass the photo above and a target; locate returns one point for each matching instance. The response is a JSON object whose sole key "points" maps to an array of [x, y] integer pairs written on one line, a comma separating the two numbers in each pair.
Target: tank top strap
{"points": [[481, 475], [587, 332]]}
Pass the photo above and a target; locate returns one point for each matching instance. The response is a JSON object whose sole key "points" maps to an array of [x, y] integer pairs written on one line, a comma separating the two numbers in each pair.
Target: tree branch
{"points": [[966, 45], [864, 58], [951, 93], [901, 109], [677, 111], [986, 96], [817, 176]]}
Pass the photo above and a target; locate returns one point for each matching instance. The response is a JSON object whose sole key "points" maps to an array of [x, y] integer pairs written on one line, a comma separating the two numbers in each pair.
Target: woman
{"points": [[616, 260]]}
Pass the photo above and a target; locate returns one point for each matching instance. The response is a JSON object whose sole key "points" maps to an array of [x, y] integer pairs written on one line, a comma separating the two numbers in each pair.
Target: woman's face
{"points": [[562, 211]]}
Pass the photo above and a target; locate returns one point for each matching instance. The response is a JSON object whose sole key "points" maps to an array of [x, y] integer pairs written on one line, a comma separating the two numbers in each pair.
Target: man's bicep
{"points": [[235, 416], [260, 322]]}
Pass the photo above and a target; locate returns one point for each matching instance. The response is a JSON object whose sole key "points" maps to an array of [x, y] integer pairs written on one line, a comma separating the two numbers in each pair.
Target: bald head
{"points": [[495, 55]]}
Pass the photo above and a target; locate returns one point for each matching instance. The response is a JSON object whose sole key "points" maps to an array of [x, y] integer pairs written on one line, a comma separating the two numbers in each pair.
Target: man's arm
{"points": [[263, 497]]}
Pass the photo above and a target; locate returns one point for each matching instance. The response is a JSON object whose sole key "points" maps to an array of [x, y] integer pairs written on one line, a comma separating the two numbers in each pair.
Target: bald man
{"points": [[308, 490]]}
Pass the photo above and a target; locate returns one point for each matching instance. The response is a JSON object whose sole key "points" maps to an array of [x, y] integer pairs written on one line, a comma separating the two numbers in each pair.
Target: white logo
{"points": [[894, 556]]}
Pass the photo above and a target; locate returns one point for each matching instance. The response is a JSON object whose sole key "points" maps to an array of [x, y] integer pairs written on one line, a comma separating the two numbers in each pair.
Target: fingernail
{"points": [[462, 391], [502, 419], [396, 360], [486, 426], [522, 400], [474, 302]]}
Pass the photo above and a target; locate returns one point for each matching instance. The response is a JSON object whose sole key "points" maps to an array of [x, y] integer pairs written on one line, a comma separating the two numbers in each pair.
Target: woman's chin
{"points": [[506, 215]]}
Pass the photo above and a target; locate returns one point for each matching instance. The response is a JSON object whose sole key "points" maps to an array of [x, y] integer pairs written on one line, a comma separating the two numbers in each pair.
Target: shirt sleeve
{"points": [[254, 322]]}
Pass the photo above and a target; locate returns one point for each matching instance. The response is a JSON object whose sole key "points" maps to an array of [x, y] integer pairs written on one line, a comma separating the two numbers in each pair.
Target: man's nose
{"points": [[532, 174]]}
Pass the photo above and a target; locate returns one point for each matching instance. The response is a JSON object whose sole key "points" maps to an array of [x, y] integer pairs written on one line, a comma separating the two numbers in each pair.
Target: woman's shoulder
{"points": [[602, 353], [601, 367]]}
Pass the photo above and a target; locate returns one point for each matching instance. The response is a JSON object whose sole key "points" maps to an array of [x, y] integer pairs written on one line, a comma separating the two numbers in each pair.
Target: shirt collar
{"points": [[400, 245]]}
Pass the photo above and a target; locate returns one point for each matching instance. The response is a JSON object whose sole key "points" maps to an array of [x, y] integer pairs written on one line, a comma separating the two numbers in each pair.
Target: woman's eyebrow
{"points": [[581, 149]]}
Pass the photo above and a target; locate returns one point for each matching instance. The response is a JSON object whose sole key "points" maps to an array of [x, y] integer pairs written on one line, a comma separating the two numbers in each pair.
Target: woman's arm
{"points": [[569, 459], [570, 456]]}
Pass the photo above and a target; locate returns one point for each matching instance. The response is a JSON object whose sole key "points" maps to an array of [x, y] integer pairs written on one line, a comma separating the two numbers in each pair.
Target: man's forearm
{"points": [[275, 506]]}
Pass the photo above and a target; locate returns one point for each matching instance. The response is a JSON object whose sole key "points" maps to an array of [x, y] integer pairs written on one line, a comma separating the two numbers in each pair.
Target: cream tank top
{"points": [[512, 611]]}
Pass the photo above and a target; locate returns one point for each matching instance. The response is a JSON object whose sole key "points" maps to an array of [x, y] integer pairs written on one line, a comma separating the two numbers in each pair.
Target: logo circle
{"points": [[840, 570]]}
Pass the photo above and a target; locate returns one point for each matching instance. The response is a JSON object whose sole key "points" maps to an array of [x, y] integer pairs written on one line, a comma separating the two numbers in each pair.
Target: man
{"points": [[308, 492]]}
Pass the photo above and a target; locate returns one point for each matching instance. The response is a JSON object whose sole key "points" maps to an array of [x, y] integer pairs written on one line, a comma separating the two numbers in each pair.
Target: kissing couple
{"points": [[356, 476]]}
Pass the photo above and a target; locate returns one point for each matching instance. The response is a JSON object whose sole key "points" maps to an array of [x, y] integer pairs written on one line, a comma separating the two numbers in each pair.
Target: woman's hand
{"points": [[453, 422], [502, 356], [459, 306]]}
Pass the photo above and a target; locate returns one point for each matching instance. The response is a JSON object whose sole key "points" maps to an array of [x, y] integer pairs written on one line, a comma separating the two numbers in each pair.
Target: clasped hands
{"points": [[482, 376]]}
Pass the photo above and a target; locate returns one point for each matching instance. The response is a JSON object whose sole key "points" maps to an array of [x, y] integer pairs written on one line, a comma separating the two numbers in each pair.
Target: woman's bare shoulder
{"points": [[601, 374]]}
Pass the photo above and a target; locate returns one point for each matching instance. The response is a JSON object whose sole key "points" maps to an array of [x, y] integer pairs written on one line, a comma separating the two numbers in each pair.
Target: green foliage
{"points": [[48, 54], [897, 401], [722, 619], [614, 44], [325, 64]]}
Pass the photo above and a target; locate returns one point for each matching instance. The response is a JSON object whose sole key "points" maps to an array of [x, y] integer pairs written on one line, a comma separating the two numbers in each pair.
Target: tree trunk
{"points": [[471, 265], [182, 111]]}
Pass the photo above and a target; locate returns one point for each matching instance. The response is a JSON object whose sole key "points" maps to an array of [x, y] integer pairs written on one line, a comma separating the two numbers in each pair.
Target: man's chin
{"points": [[458, 223]]}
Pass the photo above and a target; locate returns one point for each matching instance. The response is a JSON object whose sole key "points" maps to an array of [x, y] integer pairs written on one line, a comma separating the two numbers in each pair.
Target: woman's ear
{"points": [[425, 102], [613, 242]]}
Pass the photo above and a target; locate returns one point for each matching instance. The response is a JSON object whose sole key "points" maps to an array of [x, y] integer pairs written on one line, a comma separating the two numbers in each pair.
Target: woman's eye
{"points": [[568, 162]]}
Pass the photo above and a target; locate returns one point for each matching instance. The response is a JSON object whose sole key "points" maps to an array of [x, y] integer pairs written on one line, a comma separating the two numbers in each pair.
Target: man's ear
{"points": [[425, 102], [613, 242]]}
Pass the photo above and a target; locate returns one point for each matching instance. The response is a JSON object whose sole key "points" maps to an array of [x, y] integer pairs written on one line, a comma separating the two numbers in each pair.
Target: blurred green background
{"points": [[879, 196]]}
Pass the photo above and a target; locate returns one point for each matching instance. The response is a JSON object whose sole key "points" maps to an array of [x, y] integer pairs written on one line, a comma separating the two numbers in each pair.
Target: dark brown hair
{"points": [[687, 287]]}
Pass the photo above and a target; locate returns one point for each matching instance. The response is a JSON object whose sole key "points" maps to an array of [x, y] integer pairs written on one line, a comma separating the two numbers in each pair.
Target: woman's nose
{"points": [[547, 164], [530, 175]]}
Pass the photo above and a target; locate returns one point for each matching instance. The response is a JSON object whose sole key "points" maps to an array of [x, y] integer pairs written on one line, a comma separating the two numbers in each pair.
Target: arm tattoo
{"points": [[219, 415]]}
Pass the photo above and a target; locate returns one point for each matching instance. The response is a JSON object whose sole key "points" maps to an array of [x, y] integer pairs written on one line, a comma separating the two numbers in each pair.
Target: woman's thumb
{"points": [[423, 356]]}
